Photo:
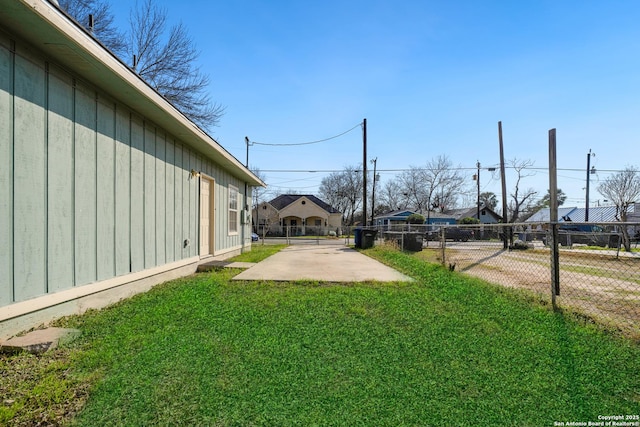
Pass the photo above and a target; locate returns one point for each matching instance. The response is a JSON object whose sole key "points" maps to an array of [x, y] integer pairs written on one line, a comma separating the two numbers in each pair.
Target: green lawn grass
{"points": [[445, 350], [258, 252]]}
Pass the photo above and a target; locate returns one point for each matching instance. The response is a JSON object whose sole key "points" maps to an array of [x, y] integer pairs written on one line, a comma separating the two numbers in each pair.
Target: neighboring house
{"points": [[487, 216], [543, 215], [106, 189], [439, 218], [295, 214], [392, 218], [399, 217], [575, 214]]}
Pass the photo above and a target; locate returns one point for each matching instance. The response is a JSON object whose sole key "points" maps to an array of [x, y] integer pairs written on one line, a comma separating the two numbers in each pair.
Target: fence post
{"points": [[555, 263], [553, 217], [442, 243]]}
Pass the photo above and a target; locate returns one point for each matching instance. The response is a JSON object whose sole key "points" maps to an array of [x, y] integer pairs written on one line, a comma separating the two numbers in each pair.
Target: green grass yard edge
{"points": [[42, 390], [258, 253], [413, 264], [498, 360], [473, 322]]}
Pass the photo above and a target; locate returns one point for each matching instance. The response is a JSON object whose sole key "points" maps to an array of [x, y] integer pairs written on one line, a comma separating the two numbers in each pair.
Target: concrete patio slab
{"points": [[325, 263]]}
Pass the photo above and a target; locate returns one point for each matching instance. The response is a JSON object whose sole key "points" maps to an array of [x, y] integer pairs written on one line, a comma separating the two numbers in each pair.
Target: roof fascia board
{"points": [[28, 19]]}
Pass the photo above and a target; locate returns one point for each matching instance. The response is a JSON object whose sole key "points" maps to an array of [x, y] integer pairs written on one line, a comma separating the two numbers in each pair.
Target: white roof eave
{"points": [[45, 26]]}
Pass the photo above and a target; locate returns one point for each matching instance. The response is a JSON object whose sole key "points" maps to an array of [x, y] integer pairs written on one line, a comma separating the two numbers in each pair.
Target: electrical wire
{"points": [[422, 169], [306, 143]]}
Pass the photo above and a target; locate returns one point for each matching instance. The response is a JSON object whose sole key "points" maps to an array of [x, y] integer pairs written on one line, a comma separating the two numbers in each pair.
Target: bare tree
{"points": [[623, 189], [412, 183], [168, 63], [436, 186], [392, 195], [443, 182], [521, 200], [165, 59], [104, 28], [343, 190]]}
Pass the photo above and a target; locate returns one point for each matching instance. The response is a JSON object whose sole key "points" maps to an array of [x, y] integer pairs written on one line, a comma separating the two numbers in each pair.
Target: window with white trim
{"points": [[233, 210]]}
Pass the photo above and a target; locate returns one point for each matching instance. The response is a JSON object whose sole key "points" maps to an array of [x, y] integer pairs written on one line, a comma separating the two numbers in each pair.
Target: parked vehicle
{"points": [[582, 228], [586, 234], [254, 237], [451, 233]]}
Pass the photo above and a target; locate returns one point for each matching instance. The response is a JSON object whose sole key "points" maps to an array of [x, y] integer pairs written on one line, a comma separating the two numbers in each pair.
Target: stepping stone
{"points": [[218, 265], [39, 341]]}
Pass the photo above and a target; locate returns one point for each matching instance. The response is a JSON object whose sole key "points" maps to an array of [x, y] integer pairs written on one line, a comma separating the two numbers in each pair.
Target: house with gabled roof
{"points": [[577, 214], [393, 218], [487, 215], [106, 189], [296, 214]]}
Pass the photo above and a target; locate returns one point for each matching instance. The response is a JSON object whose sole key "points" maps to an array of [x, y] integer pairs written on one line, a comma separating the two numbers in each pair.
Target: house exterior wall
{"points": [[487, 218], [90, 190], [335, 220], [303, 210], [440, 220], [309, 210], [270, 219], [266, 217]]}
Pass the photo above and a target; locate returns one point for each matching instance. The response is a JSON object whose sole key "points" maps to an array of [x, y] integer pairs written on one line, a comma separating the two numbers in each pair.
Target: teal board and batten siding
{"points": [[89, 190]]}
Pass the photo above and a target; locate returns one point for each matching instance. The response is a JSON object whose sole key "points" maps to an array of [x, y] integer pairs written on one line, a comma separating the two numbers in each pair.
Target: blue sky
{"points": [[431, 78]]}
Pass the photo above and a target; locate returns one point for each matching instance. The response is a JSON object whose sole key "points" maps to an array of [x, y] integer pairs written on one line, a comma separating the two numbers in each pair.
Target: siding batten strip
{"points": [[12, 113], [96, 126], [46, 178], [115, 190], [74, 226], [130, 192], [144, 193]]}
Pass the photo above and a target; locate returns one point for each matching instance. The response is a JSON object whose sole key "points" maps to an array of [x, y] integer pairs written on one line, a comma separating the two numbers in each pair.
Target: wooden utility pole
{"points": [[586, 204], [364, 172], [504, 187], [246, 140], [373, 194], [553, 218], [478, 198]]}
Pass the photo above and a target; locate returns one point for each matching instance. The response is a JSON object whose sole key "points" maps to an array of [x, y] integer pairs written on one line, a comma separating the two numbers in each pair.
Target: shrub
{"points": [[469, 220], [415, 219]]}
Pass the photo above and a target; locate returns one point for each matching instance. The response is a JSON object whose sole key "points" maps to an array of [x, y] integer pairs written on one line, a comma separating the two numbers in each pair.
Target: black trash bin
{"points": [[614, 241], [367, 239], [564, 239], [412, 241], [357, 237]]}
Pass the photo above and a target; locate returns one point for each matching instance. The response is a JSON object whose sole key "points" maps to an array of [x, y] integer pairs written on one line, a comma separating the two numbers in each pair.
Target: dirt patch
{"points": [[603, 287], [39, 389]]}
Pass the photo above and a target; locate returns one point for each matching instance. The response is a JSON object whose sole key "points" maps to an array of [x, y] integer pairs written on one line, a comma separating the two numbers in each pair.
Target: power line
{"points": [[422, 169], [307, 143]]}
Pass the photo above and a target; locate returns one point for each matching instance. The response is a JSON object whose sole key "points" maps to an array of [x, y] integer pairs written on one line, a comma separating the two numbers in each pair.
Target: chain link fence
{"points": [[588, 270], [592, 269], [297, 234]]}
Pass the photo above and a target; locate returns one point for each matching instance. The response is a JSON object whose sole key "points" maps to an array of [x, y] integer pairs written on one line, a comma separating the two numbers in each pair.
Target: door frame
{"points": [[212, 245]]}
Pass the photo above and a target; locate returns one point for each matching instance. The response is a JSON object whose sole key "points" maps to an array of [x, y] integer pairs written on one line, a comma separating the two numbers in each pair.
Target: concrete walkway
{"points": [[325, 263]]}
